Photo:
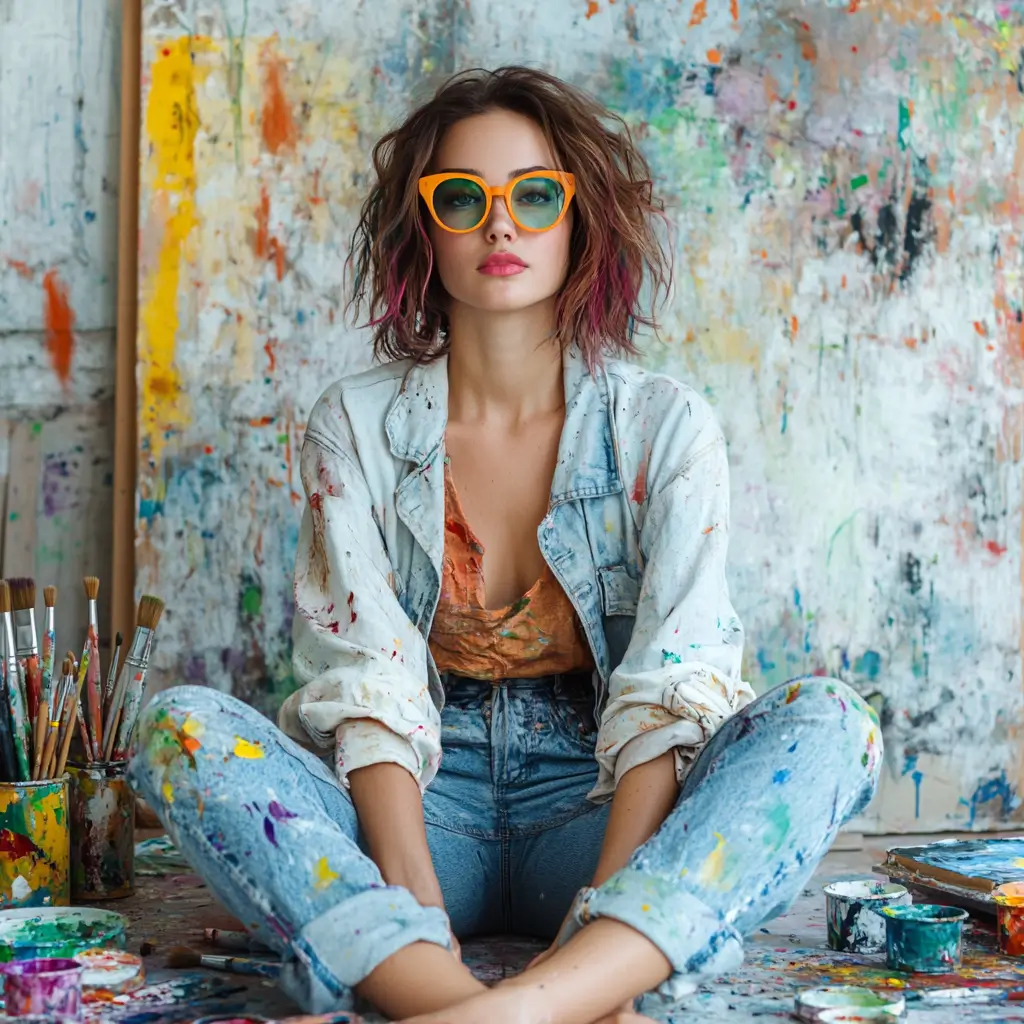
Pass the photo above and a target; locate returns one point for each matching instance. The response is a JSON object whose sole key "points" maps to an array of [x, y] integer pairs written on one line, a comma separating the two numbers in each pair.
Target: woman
{"points": [[513, 551]]}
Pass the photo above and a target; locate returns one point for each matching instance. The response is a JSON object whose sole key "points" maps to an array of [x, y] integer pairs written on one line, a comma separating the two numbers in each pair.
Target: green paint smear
{"points": [[61, 935], [859, 182], [252, 600], [777, 828], [903, 131]]}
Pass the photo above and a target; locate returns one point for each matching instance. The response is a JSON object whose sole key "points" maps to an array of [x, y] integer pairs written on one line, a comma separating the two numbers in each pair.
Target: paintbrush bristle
{"points": [[23, 592], [92, 587], [50, 597], [150, 610], [182, 956], [5, 598], [67, 666], [118, 639]]}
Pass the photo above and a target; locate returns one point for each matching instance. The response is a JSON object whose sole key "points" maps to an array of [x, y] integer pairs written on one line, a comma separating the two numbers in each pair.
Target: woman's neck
{"points": [[503, 369]]}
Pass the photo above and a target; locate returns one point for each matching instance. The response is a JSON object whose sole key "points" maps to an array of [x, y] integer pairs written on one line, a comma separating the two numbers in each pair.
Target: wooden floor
{"points": [[789, 954]]}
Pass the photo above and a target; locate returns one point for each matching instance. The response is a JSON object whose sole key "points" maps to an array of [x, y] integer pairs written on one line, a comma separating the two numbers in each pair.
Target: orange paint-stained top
{"points": [[535, 636], [59, 318], [277, 126]]}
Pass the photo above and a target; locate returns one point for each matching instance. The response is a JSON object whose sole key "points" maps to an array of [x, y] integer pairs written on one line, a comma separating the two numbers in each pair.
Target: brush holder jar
{"points": [[102, 831]]}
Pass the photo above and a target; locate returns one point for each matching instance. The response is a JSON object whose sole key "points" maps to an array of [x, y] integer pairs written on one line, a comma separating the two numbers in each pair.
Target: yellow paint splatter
{"points": [[172, 122], [323, 876], [168, 791], [714, 865], [193, 727], [1019, 862], [645, 907], [250, 751]]}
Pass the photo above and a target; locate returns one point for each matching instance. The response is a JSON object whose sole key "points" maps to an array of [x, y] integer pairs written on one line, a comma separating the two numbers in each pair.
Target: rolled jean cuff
{"points": [[692, 937], [339, 949]]}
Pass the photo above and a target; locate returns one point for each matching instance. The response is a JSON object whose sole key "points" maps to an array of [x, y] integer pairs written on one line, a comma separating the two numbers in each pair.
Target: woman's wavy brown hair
{"points": [[613, 244]]}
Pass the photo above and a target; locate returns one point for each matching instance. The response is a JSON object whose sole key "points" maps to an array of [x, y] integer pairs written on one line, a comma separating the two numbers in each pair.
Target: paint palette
{"points": [[838, 1002], [43, 932]]}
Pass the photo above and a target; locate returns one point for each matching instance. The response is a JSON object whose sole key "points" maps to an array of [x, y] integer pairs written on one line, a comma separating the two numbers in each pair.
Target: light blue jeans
{"points": [[513, 839]]}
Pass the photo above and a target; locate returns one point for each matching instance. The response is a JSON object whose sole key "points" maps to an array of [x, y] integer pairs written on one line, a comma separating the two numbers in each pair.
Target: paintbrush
{"points": [[93, 687], [224, 938], [21, 727], [60, 699], [108, 690], [131, 684], [49, 640], [74, 714], [8, 759], [184, 957], [23, 601]]}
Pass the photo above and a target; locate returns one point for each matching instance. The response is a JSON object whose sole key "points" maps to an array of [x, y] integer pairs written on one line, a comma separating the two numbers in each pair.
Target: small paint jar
{"points": [[34, 861], [1009, 900], [49, 986], [851, 913], [109, 973], [841, 1002], [924, 938], [102, 808]]}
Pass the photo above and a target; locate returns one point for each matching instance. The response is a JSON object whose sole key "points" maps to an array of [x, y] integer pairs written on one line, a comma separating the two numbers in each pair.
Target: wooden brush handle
{"points": [[38, 739], [65, 746], [48, 754]]}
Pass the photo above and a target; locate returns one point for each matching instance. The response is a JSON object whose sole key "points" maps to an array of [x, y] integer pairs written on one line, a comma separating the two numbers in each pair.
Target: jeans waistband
{"points": [[561, 681]]}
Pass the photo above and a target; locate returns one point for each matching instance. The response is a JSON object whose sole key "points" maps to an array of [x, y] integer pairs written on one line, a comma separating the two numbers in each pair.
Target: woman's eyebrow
{"points": [[473, 170]]}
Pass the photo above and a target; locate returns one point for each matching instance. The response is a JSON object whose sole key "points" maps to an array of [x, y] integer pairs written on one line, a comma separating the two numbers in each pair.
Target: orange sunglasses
{"points": [[460, 203]]}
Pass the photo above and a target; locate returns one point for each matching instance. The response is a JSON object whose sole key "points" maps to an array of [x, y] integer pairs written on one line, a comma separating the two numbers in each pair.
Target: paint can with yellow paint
{"points": [[102, 807], [35, 844]]}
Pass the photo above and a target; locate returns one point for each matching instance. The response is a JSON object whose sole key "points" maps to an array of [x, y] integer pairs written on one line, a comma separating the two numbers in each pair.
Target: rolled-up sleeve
{"points": [[679, 679], [360, 661]]}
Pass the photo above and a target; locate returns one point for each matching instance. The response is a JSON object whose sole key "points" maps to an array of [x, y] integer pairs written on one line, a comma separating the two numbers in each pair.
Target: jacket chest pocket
{"points": [[619, 596]]}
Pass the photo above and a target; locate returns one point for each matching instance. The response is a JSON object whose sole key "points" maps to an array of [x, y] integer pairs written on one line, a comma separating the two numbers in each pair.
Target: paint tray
{"points": [[29, 933], [963, 872]]}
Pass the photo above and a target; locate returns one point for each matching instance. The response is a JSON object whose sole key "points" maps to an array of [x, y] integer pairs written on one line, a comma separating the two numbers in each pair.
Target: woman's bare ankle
{"points": [[420, 978]]}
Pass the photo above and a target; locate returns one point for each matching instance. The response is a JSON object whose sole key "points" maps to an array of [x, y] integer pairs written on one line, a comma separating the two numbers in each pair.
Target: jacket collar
{"points": [[587, 462]]}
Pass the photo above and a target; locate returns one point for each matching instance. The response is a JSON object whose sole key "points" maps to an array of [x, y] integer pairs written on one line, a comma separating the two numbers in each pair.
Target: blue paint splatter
{"points": [[868, 664], [268, 830], [780, 776]]}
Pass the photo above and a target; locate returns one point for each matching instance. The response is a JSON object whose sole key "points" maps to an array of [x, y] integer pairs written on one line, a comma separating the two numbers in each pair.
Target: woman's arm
{"points": [[390, 810], [356, 652], [679, 679], [644, 797]]}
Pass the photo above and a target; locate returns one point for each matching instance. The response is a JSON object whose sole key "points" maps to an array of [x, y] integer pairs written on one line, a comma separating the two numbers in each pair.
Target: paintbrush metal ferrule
{"points": [[25, 632], [94, 621], [141, 648], [240, 965]]}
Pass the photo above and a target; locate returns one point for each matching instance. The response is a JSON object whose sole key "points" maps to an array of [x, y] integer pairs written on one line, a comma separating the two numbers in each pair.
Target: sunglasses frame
{"points": [[429, 182]]}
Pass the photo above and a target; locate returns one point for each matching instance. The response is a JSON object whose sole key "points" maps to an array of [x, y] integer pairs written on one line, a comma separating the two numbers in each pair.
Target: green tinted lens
{"points": [[537, 202], [459, 203]]}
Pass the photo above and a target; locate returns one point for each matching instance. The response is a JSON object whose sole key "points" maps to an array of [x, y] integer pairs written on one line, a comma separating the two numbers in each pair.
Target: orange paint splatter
{"points": [[979, 328], [262, 244], [23, 269], [734, 9], [592, 9], [794, 326], [792, 693], [269, 349], [714, 56], [59, 318], [700, 12], [277, 125], [995, 548], [854, 5]]}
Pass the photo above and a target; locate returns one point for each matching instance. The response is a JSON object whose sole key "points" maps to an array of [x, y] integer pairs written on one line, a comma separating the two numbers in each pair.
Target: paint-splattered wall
{"points": [[845, 181], [59, 71]]}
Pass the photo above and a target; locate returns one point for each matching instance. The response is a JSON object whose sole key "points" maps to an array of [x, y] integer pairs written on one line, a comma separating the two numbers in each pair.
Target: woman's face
{"points": [[498, 146]]}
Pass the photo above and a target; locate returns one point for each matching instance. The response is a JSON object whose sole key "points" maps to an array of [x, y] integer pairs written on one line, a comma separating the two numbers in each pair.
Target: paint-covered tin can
{"points": [[1009, 899], [35, 853], [851, 913], [49, 986], [102, 831], [925, 938]]}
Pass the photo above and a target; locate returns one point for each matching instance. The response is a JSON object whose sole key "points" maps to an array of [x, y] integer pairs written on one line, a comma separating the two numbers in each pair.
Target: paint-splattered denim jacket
{"points": [[636, 533]]}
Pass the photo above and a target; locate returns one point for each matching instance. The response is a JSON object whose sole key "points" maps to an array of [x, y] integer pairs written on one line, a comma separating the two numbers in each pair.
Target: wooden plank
{"points": [[122, 590], [22, 493], [5, 437]]}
